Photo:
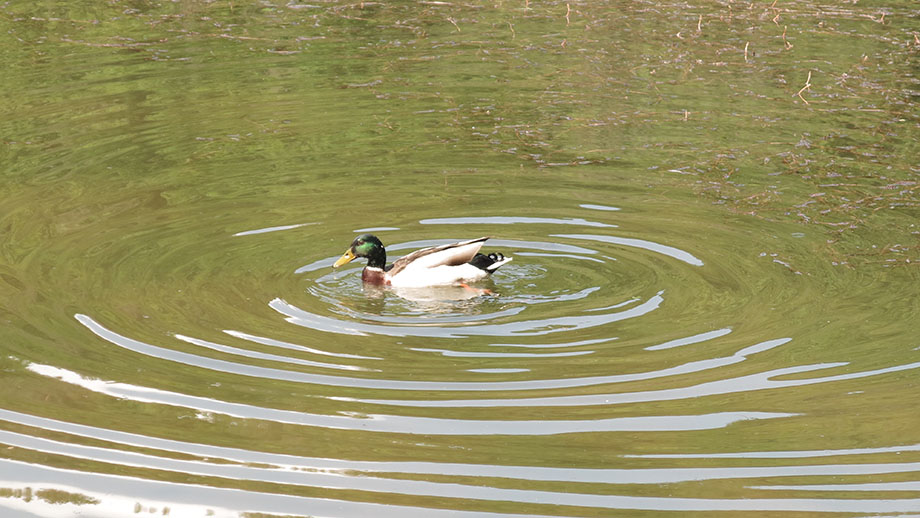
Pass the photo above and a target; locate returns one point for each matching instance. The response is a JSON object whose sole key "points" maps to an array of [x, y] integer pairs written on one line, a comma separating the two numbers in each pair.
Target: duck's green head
{"points": [[365, 245]]}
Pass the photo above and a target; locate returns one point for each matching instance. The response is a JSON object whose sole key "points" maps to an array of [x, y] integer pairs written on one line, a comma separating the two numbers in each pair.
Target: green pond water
{"points": [[713, 210]]}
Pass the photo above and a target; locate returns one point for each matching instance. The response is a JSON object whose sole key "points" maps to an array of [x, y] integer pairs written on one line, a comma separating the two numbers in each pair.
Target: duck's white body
{"points": [[441, 266], [417, 277]]}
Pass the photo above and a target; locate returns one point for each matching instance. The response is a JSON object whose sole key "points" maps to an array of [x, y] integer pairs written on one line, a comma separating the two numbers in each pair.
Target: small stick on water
{"points": [[806, 87], [512, 30], [568, 10], [786, 43], [563, 43], [746, 51], [699, 24], [451, 20], [916, 39], [686, 115]]}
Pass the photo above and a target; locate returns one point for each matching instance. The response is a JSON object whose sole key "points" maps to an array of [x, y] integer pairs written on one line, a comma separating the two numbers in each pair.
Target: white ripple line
{"points": [[524, 473], [403, 424], [13, 473]]}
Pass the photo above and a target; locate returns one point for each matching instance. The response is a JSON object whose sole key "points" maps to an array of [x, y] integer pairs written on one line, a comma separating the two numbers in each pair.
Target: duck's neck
{"points": [[377, 258]]}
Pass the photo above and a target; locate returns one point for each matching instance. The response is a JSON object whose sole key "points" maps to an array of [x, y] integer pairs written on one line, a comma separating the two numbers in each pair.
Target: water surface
{"points": [[712, 209]]}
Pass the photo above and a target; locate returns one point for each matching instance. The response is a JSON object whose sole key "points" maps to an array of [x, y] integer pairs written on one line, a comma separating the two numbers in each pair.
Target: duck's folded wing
{"points": [[444, 255]]}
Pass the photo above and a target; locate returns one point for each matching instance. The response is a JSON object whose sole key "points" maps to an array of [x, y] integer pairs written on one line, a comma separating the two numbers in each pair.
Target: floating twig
{"points": [[746, 51], [510, 26], [775, 10], [785, 42], [130, 45], [699, 24], [451, 20], [806, 87], [568, 10]]}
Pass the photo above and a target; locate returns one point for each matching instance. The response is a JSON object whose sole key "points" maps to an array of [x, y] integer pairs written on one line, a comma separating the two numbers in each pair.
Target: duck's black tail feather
{"points": [[490, 262]]}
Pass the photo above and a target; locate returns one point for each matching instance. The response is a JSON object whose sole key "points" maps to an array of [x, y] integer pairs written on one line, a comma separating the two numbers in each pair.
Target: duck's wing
{"points": [[444, 255]]}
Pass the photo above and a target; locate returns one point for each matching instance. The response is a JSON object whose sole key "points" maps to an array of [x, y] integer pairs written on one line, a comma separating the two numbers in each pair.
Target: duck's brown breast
{"points": [[373, 276]]}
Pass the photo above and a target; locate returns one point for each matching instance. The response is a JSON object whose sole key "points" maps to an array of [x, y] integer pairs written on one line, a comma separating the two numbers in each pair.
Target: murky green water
{"points": [[713, 303]]}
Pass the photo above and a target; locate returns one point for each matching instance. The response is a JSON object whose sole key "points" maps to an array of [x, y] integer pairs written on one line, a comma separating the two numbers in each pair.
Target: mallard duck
{"points": [[456, 263]]}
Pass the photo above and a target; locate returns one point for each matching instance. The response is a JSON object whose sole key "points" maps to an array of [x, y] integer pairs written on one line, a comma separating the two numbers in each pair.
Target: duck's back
{"points": [[452, 254]]}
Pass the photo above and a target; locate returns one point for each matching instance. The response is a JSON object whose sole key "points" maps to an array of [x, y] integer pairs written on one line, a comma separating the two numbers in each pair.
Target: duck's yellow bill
{"points": [[346, 258]]}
